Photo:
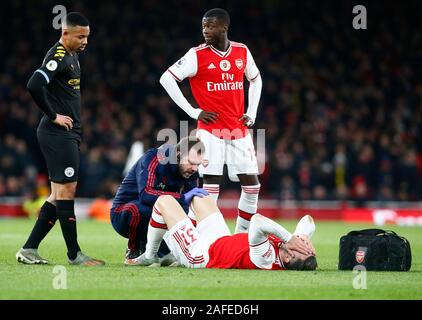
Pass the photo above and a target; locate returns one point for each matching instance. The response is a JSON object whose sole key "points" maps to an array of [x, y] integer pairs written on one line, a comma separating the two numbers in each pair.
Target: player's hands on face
{"points": [[308, 243], [299, 245], [246, 121], [64, 121], [208, 117]]}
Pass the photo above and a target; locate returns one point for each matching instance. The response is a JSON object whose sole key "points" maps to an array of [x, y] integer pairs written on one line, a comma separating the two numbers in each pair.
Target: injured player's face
{"points": [[299, 261]]}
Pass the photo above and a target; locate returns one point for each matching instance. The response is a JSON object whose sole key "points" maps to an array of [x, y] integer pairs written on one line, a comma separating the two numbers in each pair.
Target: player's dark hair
{"points": [[74, 19], [310, 263], [221, 15], [186, 144]]}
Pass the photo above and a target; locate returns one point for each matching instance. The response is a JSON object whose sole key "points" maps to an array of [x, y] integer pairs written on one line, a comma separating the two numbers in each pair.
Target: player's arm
{"points": [[261, 252], [173, 90], [186, 67], [37, 88], [255, 88]]}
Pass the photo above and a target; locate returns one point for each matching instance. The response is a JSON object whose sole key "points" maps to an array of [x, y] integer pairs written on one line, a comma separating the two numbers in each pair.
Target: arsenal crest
{"points": [[360, 256], [239, 63]]}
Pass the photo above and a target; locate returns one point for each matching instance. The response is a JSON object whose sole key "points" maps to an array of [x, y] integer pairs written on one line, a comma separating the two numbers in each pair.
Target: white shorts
{"points": [[239, 155], [190, 245]]}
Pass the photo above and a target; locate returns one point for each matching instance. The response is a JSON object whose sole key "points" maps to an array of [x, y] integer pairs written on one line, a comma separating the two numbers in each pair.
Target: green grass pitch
{"points": [[115, 281]]}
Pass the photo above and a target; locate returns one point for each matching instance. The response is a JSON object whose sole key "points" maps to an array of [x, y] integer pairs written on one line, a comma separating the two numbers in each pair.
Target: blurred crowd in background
{"points": [[341, 108]]}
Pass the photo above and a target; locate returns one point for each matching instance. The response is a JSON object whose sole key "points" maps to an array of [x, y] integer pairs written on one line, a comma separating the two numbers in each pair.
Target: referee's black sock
{"points": [[45, 222], [67, 218]]}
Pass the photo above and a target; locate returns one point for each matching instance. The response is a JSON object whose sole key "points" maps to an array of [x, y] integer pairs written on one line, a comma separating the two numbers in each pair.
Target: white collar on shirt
{"points": [[222, 52]]}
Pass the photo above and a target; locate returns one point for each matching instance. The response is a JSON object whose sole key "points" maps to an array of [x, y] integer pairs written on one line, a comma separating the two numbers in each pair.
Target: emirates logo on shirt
{"points": [[224, 86]]}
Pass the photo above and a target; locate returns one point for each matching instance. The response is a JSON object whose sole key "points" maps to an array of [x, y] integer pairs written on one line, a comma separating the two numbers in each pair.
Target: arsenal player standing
{"points": [[216, 71]]}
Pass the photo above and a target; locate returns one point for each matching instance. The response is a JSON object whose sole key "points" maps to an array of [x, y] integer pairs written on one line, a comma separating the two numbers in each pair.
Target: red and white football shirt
{"points": [[216, 79], [233, 252]]}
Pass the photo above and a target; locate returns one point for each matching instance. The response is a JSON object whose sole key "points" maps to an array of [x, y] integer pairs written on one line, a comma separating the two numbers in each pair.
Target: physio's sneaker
{"points": [[30, 256], [143, 261], [169, 260], [130, 257], [84, 260], [305, 226]]}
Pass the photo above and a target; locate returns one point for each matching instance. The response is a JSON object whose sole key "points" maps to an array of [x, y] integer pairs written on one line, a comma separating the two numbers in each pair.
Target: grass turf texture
{"points": [[115, 281]]}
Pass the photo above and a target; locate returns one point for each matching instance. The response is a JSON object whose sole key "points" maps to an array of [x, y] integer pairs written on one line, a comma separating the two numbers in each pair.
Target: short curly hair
{"points": [[221, 15]]}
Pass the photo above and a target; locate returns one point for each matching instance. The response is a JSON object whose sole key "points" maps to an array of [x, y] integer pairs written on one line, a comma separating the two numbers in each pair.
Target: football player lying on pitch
{"points": [[267, 245]]}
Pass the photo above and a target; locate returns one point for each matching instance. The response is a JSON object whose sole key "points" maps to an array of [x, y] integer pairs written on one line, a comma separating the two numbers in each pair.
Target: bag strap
{"points": [[370, 232]]}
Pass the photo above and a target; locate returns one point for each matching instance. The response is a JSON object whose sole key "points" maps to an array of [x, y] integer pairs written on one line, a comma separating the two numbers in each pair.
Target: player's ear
{"points": [[284, 256]]}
